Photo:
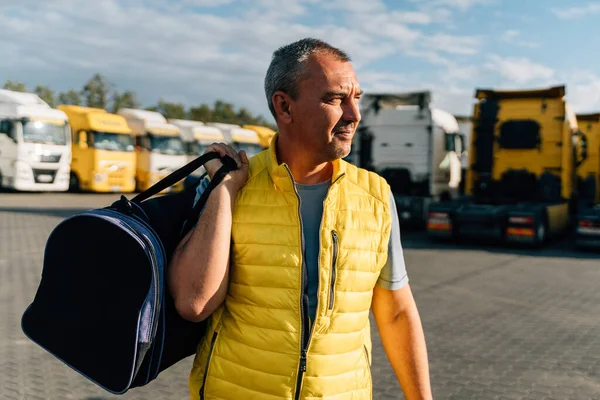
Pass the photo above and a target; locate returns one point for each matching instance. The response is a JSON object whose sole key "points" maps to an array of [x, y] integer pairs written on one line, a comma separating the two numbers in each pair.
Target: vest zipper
{"points": [[334, 239], [212, 346], [369, 370], [303, 298]]}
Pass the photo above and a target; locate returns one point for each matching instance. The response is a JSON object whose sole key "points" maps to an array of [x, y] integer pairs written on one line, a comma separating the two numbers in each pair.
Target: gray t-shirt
{"points": [[393, 275]]}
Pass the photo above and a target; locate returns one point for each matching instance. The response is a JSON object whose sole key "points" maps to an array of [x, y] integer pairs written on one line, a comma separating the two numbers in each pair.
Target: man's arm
{"points": [[199, 270], [401, 333]]}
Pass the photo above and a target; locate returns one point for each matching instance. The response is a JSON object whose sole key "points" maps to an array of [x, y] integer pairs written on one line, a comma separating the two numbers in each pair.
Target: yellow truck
{"points": [[521, 185], [103, 151], [264, 134], [158, 146], [587, 232]]}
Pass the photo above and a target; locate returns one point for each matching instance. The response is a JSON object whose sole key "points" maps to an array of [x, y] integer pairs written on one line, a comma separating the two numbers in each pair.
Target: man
{"points": [[294, 248]]}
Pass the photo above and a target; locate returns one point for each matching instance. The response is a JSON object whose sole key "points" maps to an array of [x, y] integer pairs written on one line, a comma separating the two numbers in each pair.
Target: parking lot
{"points": [[499, 323]]}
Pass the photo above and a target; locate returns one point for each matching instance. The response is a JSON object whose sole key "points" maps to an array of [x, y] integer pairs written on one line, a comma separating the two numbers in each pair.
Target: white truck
{"points": [[196, 138], [415, 147], [159, 148], [465, 126], [240, 138], [35, 144]]}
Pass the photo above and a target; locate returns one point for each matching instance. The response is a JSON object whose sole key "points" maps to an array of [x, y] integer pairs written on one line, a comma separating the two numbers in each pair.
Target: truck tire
{"points": [[74, 185]]}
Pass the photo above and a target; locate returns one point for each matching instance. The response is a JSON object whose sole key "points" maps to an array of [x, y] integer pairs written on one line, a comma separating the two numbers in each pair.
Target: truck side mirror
{"points": [[463, 148], [82, 142]]}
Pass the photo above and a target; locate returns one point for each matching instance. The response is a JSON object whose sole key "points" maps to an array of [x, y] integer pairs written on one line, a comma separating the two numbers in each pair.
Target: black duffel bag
{"points": [[102, 306]]}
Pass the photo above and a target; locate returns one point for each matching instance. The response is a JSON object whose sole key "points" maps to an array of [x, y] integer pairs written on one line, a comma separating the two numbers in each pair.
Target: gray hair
{"points": [[288, 63]]}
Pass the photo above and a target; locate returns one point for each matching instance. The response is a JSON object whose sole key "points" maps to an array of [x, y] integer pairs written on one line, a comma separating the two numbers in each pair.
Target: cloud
{"points": [[519, 70], [577, 12], [453, 44], [583, 91], [356, 6], [513, 37], [462, 5]]}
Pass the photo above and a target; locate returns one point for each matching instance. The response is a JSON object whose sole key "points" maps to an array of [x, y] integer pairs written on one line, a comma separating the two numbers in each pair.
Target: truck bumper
{"points": [[587, 233], [411, 210]]}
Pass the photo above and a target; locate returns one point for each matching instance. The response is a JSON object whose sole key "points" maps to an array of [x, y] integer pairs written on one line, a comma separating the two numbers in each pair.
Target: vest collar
{"points": [[282, 175]]}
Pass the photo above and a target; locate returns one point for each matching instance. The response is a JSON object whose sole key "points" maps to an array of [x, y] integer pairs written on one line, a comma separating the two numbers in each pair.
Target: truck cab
{"points": [[240, 138], [414, 146], [264, 134], [35, 144], [158, 147], [103, 151], [521, 182], [587, 232], [196, 138]]}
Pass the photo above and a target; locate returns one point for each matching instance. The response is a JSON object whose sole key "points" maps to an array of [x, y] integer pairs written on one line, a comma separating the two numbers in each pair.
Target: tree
{"points": [[95, 92], [224, 112], [46, 94], [244, 117], [15, 86], [70, 97], [169, 110], [201, 113], [127, 99]]}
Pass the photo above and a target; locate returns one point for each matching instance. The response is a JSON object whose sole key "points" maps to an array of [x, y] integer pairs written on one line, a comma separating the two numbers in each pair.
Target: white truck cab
{"points": [[240, 138], [35, 144], [414, 146], [159, 148]]}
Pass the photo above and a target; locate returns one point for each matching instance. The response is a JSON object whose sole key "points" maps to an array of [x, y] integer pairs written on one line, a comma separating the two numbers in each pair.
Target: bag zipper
{"points": [[334, 239], [212, 346]]}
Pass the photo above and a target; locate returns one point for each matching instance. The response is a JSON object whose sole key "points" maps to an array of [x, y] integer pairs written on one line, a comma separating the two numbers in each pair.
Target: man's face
{"points": [[325, 114]]}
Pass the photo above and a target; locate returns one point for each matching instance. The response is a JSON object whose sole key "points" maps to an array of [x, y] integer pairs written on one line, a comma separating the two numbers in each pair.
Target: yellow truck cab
{"points": [[587, 233], [240, 138], [158, 146], [103, 151], [196, 138], [264, 134], [521, 184]]}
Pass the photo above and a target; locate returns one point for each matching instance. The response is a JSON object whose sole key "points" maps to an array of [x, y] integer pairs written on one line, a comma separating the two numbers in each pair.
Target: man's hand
{"points": [[402, 336], [235, 180]]}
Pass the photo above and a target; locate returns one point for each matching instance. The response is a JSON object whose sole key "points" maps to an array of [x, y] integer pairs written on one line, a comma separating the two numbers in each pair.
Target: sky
{"points": [[197, 51]]}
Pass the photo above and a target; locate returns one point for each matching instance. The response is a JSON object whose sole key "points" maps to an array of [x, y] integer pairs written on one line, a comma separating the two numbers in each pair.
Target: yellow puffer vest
{"points": [[259, 344]]}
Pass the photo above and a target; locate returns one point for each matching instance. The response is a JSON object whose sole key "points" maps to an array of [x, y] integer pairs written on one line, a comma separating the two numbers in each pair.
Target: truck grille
{"points": [[44, 175], [116, 179], [50, 158]]}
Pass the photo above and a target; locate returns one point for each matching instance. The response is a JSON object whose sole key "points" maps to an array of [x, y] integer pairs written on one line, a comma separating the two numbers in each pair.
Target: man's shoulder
{"points": [[369, 181]]}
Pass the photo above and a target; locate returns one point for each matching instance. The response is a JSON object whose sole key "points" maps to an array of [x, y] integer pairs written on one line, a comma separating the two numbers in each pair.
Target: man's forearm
{"points": [[404, 341], [200, 265]]}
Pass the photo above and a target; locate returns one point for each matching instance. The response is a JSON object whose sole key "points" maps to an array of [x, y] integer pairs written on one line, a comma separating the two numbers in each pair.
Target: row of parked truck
{"points": [[88, 149], [524, 168]]}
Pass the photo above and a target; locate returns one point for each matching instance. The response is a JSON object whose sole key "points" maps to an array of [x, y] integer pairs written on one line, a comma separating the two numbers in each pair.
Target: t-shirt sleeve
{"points": [[393, 276], [200, 189]]}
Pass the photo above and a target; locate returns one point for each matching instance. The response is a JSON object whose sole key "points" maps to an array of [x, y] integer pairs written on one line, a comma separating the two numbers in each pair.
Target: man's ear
{"points": [[283, 106]]}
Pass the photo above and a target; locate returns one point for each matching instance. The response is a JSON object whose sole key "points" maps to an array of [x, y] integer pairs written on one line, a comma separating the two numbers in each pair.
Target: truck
{"points": [[35, 144], [240, 138], [587, 231], [416, 147], [520, 185], [158, 147], [465, 126], [103, 151], [264, 134], [196, 138]]}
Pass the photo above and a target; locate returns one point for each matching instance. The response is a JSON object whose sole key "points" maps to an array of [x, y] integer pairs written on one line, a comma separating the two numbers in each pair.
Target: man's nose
{"points": [[352, 111]]}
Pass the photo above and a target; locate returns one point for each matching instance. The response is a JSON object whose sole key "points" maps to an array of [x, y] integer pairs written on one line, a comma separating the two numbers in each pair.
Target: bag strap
{"points": [[194, 213], [229, 164]]}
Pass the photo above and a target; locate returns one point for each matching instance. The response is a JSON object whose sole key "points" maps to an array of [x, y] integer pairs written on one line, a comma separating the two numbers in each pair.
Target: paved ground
{"points": [[500, 324]]}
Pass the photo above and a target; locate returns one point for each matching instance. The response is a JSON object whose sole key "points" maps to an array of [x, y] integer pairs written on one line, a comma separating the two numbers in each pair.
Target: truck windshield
{"points": [[195, 148], [251, 149], [171, 145], [111, 141], [44, 132]]}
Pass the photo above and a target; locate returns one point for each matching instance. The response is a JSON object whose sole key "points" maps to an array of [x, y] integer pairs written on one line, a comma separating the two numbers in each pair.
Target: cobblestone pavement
{"points": [[500, 323]]}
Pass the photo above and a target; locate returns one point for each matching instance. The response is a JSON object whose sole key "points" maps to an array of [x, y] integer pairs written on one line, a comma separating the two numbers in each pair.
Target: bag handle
{"points": [[229, 164]]}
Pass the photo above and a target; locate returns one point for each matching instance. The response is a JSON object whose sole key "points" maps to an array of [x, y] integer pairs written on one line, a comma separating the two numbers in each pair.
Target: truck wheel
{"points": [[74, 185]]}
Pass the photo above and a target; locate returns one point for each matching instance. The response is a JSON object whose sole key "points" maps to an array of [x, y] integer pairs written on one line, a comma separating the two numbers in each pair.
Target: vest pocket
{"points": [[369, 371], [334, 240], [208, 359]]}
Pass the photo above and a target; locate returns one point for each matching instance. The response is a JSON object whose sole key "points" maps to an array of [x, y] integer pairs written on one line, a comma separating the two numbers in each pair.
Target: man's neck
{"points": [[304, 168]]}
